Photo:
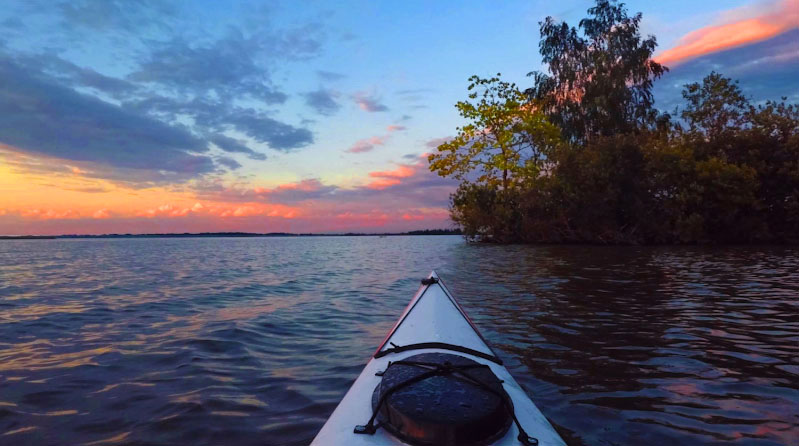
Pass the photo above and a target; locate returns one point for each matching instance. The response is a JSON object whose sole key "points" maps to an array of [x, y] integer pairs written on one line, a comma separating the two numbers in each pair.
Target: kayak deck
{"points": [[433, 316]]}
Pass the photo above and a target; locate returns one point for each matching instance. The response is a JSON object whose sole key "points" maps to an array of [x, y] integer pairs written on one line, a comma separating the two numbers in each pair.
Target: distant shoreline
{"points": [[230, 234]]}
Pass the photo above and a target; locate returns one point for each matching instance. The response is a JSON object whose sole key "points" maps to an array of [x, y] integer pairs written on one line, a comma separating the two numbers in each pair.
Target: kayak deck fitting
{"points": [[435, 380]]}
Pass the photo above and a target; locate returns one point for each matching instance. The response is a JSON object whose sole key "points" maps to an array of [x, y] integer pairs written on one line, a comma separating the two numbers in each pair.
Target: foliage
{"points": [[505, 141], [600, 80], [715, 106], [728, 172]]}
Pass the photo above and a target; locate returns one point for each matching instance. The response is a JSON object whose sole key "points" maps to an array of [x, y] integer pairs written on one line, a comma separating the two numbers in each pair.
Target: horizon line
{"points": [[437, 231]]}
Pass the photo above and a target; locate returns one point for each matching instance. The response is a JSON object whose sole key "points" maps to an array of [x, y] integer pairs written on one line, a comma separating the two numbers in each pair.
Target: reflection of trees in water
{"points": [[645, 342]]}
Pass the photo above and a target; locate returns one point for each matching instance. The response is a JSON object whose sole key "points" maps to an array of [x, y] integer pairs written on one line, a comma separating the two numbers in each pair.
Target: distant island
{"points": [[231, 234]]}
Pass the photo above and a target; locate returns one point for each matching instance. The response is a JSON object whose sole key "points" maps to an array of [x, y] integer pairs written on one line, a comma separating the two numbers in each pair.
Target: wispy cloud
{"points": [[368, 144], [743, 26], [232, 145], [369, 102], [323, 101], [329, 75]]}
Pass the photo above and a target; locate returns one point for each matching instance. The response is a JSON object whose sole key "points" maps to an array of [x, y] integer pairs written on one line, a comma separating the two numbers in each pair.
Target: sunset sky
{"points": [[159, 116]]}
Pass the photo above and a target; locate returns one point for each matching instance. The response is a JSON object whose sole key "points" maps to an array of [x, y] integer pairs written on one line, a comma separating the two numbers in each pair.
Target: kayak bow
{"points": [[434, 380]]}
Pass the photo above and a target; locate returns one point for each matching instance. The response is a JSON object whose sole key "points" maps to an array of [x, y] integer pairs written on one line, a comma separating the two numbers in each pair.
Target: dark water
{"points": [[254, 341]]}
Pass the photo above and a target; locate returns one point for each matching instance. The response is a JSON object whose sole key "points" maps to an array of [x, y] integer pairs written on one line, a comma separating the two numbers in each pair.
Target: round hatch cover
{"points": [[448, 407]]}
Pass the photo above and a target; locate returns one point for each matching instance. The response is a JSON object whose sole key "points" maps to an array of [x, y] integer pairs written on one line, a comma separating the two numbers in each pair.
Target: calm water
{"points": [[254, 341]]}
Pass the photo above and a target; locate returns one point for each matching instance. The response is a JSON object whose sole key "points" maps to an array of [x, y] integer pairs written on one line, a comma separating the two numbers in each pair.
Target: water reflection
{"points": [[648, 345], [211, 341]]}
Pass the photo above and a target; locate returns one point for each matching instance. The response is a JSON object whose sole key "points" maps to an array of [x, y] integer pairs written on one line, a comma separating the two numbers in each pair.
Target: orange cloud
{"points": [[49, 214], [390, 178], [101, 213], [368, 219], [403, 171], [775, 20], [221, 210]]}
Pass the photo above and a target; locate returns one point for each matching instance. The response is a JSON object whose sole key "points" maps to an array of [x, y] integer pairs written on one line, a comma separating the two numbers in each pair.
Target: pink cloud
{"points": [[369, 102], [366, 145], [770, 20]]}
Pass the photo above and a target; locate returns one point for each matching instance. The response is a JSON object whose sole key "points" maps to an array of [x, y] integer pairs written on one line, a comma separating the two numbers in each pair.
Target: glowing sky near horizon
{"points": [[192, 116]]}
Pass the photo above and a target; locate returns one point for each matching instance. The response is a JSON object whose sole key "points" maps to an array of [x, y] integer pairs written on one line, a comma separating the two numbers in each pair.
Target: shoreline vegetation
{"points": [[232, 234], [583, 155]]}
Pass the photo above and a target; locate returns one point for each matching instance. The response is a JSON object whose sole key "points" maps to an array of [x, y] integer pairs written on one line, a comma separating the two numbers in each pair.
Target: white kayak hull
{"points": [[433, 316]]}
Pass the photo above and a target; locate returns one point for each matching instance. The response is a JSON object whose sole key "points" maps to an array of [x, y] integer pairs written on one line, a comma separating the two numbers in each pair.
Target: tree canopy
{"points": [[599, 76], [584, 157], [504, 142]]}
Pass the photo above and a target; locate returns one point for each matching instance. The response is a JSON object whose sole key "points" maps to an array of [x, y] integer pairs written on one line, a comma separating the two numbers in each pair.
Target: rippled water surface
{"points": [[254, 341]]}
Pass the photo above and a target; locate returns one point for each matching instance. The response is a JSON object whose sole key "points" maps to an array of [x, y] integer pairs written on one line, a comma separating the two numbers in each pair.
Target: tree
{"points": [[714, 107], [600, 76], [504, 143]]}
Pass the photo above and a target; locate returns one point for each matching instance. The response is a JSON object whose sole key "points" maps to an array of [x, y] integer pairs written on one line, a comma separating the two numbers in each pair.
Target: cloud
{"points": [[407, 185], [39, 116], [117, 14], [414, 91], [369, 102], [310, 189], [223, 210], [235, 146], [410, 197], [323, 101], [435, 142], [329, 75], [101, 214], [154, 121], [228, 162], [384, 179], [71, 75], [228, 66], [766, 70], [216, 116], [771, 19], [13, 23], [367, 145], [32, 162], [49, 214], [262, 128]]}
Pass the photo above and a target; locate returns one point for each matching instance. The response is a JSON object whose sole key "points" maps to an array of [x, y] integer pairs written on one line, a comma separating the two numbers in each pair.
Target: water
{"points": [[254, 341]]}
